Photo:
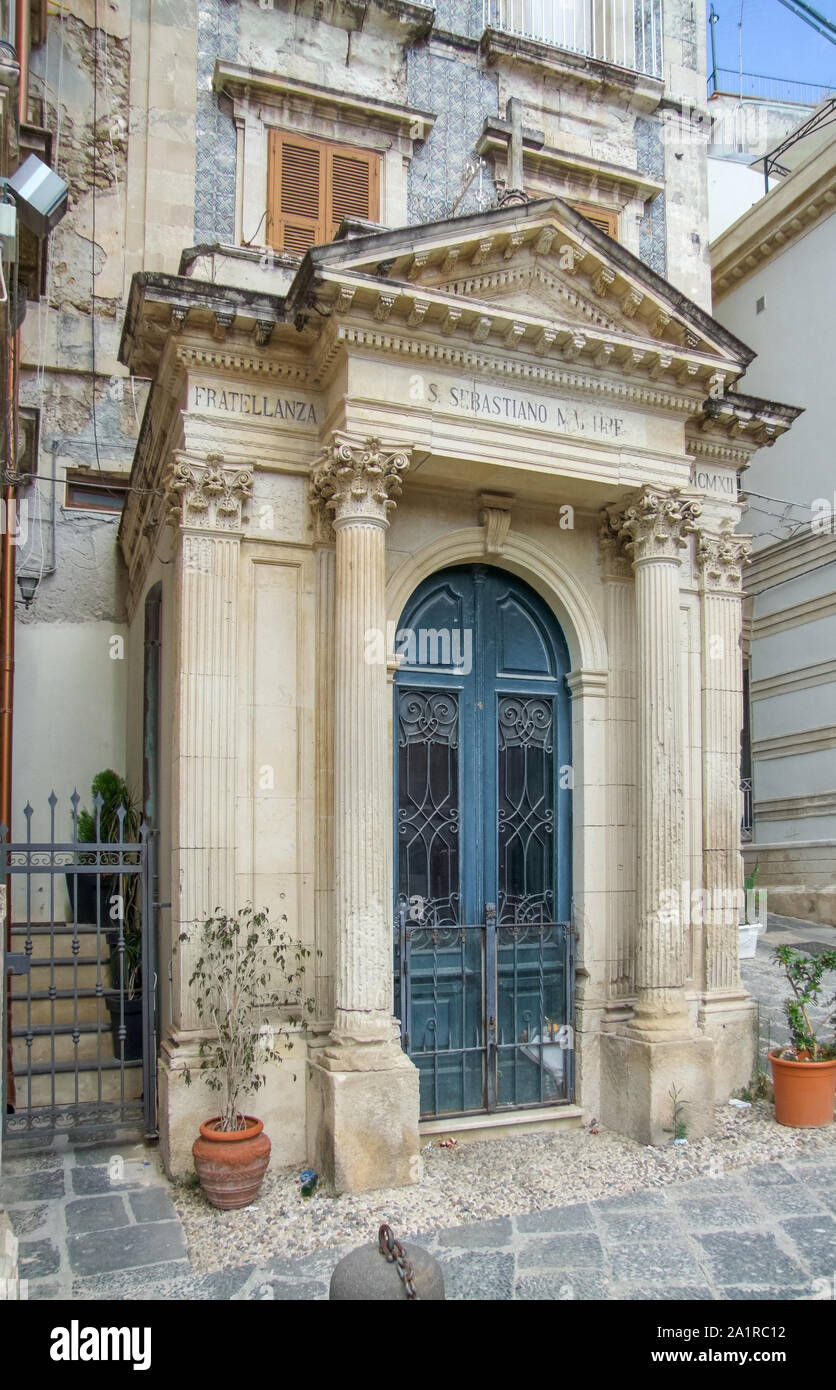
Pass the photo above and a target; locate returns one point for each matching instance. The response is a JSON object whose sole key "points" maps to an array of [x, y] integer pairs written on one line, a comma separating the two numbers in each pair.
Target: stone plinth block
{"points": [[732, 1024], [366, 1274], [365, 1127], [636, 1082]]}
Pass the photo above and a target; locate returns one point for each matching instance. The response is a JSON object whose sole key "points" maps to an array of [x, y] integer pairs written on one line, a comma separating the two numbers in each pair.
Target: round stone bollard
{"points": [[366, 1274]]}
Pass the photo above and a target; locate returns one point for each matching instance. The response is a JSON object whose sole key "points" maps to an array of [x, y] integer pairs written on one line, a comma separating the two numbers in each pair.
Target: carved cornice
{"points": [[656, 524], [207, 494], [495, 516], [215, 359], [717, 451], [358, 480], [721, 557], [488, 363]]}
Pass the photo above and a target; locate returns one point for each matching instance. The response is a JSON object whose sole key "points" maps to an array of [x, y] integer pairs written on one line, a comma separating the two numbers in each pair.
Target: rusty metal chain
{"points": [[392, 1251]]}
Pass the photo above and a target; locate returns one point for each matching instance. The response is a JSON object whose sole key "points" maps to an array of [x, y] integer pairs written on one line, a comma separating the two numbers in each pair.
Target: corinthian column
{"points": [[654, 528], [369, 1132], [205, 497], [721, 557]]}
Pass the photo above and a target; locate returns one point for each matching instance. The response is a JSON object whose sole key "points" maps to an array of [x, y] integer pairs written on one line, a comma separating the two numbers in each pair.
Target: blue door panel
{"points": [[482, 818]]}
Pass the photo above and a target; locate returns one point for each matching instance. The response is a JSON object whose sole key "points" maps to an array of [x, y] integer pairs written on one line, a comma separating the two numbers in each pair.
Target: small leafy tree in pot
{"points": [[248, 970], [805, 975]]}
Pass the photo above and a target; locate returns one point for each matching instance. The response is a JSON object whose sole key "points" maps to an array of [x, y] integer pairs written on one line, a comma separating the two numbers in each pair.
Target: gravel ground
{"points": [[480, 1180], [489, 1178]]}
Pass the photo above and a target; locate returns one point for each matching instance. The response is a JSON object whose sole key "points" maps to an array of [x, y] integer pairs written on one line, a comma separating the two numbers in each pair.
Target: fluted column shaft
{"points": [[358, 483], [659, 946], [654, 529], [206, 499], [364, 929], [721, 556]]}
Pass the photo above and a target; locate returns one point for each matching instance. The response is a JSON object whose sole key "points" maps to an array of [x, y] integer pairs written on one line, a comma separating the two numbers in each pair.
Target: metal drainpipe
{"points": [[8, 566]]}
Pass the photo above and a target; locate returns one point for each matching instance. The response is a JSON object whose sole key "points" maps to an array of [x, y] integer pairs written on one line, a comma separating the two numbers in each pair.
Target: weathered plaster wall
{"points": [[131, 206]]}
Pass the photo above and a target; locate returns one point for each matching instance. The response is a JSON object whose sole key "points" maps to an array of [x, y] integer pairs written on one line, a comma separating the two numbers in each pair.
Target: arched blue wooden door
{"points": [[484, 951]]}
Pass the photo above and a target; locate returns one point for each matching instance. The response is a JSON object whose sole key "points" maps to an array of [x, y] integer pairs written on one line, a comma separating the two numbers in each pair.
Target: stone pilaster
{"points": [[721, 557], [658, 1050], [367, 1133], [655, 528], [726, 1011], [205, 499]]}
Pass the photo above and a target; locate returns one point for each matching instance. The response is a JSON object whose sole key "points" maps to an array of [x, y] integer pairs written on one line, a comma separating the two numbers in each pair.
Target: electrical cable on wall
{"points": [[93, 231]]}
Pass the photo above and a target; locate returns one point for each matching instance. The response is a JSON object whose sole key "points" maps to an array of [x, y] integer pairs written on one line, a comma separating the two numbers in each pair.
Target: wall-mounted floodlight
{"points": [[40, 194]]}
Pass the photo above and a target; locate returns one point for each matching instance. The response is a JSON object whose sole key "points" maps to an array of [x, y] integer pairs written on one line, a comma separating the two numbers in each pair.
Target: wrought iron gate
{"points": [[486, 1011], [83, 997]]}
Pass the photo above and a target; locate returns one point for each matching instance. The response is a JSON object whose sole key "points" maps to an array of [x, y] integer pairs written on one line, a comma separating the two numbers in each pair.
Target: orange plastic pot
{"points": [[231, 1163], [804, 1092]]}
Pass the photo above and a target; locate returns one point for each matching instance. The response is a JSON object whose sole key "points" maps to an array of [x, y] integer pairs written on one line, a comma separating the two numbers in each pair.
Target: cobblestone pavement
{"points": [[96, 1223]]}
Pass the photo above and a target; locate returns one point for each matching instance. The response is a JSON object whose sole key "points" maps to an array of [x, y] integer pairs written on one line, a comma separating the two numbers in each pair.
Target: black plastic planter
{"points": [[84, 886], [133, 1026]]}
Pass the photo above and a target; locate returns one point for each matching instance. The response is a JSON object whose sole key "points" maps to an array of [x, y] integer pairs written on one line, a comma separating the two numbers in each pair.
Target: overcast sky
{"points": [[775, 42]]}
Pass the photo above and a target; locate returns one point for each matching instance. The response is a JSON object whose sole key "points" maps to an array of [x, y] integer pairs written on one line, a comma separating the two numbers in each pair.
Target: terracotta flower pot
{"points": [[231, 1164], [804, 1092]]}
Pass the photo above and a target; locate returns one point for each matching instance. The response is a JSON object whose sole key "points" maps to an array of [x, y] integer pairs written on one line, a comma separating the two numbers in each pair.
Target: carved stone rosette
{"points": [[207, 493], [721, 557], [656, 524], [358, 480]]}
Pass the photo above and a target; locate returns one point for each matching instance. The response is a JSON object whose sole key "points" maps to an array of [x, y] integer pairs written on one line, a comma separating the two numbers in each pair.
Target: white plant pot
{"points": [[747, 936]]}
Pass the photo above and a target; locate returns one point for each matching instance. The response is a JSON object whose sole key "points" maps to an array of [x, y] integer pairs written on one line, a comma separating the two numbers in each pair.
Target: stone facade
{"points": [[332, 498], [322, 436]]}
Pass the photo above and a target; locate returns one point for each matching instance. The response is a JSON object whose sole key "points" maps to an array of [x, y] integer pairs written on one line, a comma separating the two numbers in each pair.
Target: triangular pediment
{"points": [[566, 282]]}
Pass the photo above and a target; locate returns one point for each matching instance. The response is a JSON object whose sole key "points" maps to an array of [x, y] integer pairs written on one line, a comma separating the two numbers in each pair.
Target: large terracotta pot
{"points": [[231, 1165], [804, 1092]]}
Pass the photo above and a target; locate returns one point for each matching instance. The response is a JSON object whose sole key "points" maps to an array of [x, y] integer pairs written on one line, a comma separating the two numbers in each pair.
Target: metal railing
{"points": [[486, 1012], [627, 33], [730, 82], [83, 1012]]}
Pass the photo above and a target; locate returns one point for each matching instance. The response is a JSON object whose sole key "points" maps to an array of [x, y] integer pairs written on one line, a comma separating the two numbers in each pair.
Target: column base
{"points": [[636, 1082], [731, 1021], [364, 1125]]}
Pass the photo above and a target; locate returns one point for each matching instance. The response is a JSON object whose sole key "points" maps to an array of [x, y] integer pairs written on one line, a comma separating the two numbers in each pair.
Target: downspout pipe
{"points": [[8, 562]]}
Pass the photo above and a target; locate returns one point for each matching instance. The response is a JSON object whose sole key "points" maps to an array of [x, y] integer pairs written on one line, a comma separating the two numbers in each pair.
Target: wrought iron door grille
{"points": [[485, 1011], [83, 1042]]}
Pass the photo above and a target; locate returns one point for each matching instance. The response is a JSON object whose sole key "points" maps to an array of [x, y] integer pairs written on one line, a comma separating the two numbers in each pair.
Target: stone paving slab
{"points": [[91, 1230]]}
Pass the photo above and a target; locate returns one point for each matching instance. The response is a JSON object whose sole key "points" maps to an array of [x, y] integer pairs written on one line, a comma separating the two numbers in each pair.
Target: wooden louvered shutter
{"points": [[295, 189], [603, 218], [353, 186]]}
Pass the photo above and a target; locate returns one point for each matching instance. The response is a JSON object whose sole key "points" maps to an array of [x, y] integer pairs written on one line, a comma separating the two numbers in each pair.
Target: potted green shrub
{"points": [[804, 1074], [118, 815], [248, 981]]}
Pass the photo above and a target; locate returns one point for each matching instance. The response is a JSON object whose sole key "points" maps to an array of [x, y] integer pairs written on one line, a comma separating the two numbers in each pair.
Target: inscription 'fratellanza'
{"points": [[251, 403]]}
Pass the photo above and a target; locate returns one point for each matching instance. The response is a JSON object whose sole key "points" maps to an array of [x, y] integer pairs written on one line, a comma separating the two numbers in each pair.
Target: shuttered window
{"points": [[603, 218], [312, 186]]}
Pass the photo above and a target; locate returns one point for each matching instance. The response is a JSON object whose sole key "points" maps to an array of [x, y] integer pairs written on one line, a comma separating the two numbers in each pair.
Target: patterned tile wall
{"points": [[462, 96], [214, 203], [460, 17], [650, 159]]}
